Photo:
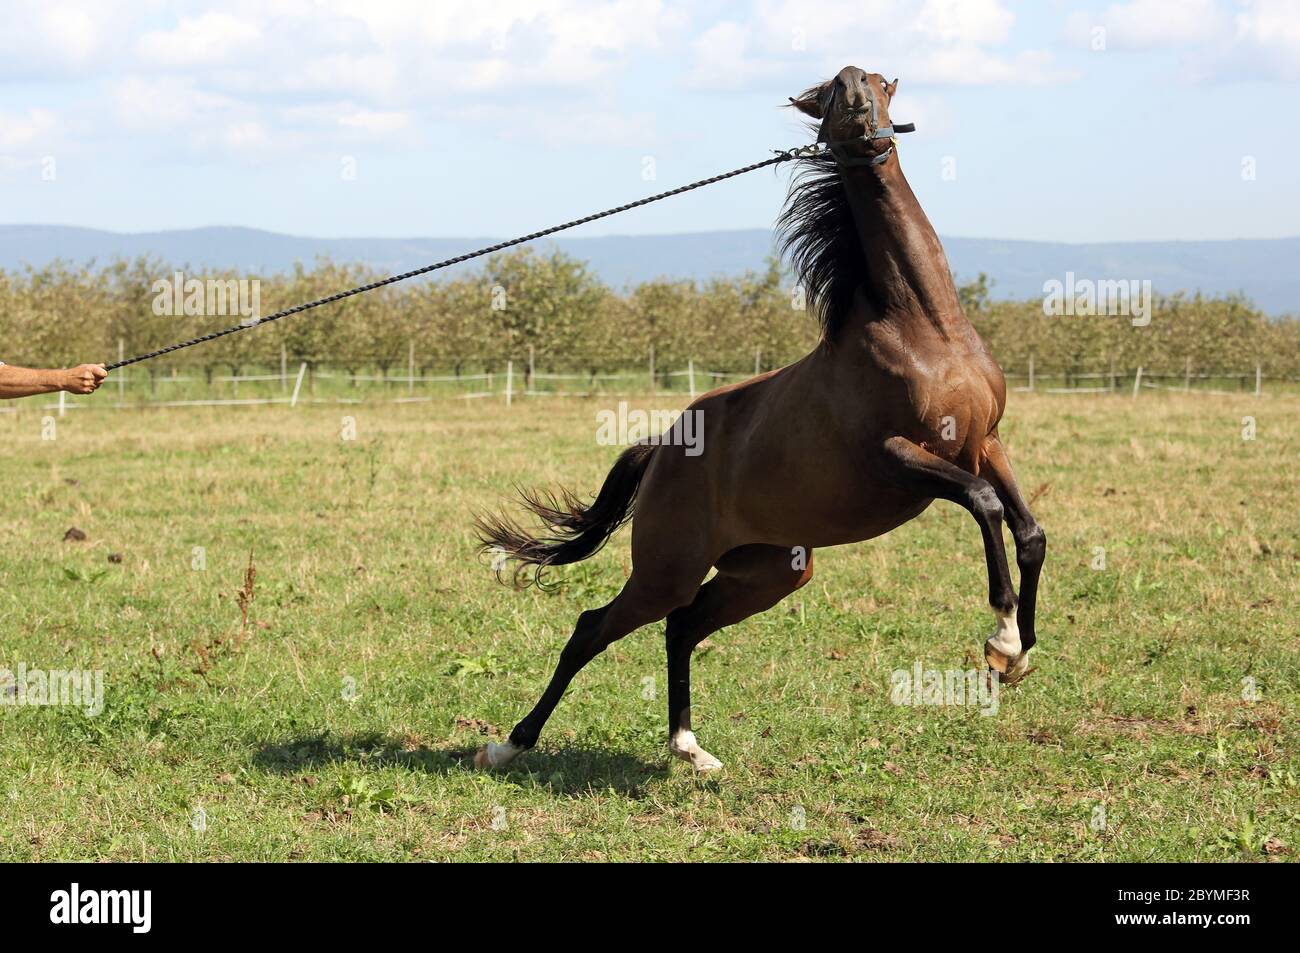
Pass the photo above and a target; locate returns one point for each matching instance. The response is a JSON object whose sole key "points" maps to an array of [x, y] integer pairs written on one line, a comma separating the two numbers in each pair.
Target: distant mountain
{"points": [[1264, 269]]}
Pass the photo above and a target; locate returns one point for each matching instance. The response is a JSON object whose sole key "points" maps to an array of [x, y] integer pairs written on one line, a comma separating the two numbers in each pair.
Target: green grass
{"points": [[379, 648]]}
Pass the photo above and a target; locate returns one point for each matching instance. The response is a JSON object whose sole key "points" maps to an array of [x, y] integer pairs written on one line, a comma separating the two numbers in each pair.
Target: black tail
{"points": [[579, 531]]}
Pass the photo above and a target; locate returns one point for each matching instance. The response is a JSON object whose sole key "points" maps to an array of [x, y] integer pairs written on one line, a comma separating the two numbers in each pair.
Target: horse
{"points": [[897, 405]]}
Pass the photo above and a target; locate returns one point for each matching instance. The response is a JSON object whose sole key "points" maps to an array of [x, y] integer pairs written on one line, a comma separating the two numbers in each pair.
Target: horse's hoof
{"points": [[1011, 671], [997, 661], [493, 755], [706, 764], [1019, 669], [684, 747]]}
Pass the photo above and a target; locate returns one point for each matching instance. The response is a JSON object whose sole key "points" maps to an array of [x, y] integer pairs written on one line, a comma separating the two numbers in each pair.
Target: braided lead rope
{"points": [[781, 156]]}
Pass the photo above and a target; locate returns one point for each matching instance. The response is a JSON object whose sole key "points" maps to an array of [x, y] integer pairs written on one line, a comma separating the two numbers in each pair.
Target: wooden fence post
{"points": [[1137, 380], [297, 386], [690, 375], [510, 381]]}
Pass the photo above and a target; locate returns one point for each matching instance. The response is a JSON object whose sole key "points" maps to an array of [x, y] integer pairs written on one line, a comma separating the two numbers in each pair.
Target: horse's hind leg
{"points": [[750, 579], [640, 603]]}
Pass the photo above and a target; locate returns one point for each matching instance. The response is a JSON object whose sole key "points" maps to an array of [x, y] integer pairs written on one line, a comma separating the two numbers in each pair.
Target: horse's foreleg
{"points": [[750, 579], [915, 467], [1031, 541]]}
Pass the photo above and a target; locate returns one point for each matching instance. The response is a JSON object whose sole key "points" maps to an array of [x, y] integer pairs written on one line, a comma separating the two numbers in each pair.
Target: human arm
{"points": [[26, 381]]}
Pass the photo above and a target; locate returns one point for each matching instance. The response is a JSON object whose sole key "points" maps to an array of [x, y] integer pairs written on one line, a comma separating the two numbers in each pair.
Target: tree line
{"points": [[554, 307]]}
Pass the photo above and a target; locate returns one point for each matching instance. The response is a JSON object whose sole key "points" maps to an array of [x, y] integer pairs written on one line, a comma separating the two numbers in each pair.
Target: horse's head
{"points": [[853, 109]]}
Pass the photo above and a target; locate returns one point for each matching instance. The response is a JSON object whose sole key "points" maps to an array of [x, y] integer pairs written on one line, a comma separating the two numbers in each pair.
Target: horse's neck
{"points": [[907, 275]]}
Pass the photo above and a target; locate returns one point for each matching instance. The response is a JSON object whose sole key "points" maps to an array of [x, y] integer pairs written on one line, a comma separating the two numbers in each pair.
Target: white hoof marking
{"points": [[684, 746], [498, 755], [1006, 637]]}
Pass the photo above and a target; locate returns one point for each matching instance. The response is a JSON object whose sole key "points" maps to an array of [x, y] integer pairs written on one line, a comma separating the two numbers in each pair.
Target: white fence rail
{"points": [[1116, 381], [298, 386]]}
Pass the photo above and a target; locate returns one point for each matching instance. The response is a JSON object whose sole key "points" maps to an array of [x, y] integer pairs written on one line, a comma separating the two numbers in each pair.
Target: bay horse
{"points": [[898, 405]]}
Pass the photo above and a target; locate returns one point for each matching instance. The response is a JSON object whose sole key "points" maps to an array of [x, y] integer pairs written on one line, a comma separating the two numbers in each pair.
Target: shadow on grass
{"points": [[570, 772]]}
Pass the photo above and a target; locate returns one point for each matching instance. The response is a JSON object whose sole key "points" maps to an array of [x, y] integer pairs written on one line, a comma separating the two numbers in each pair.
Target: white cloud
{"points": [[234, 77], [1151, 24], [945, 42], [375, 122], [284, 74], [206, 40], [175, 108], [434, 49], [175, 112], [977, 22], [1214, 40], [57, 38], [245, 137], [429, 48], [1270, 29], [971, 66], [165, 102], [602, 127], [723, 60], [27, 132]]}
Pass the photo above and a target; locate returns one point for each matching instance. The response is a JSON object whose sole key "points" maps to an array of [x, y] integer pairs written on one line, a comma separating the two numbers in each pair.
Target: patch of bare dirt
{"points": [[874, 839], [1141, 726], [476, 725]]}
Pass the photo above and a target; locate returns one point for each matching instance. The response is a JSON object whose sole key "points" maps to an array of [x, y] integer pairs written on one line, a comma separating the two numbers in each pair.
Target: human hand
{"points": [[84, 378]]}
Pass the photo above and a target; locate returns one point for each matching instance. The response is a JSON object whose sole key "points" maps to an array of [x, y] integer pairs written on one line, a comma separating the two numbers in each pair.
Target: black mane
{"points": [[817, 232]]}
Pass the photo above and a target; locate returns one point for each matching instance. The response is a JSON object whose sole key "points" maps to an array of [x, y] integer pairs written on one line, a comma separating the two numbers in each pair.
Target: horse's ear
{"points": [[891, 88], [809, 102]]}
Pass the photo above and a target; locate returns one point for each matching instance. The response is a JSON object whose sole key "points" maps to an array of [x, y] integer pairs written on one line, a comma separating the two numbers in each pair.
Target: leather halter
{"points": [[874, 132]]}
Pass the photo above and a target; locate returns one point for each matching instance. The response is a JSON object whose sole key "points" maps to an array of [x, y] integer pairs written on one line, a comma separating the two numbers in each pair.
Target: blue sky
{"points": [[1063, 120]]}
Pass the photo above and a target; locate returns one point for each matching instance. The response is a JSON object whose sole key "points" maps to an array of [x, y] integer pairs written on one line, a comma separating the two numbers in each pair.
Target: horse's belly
{"points": [[842, 529], [822, 506]]}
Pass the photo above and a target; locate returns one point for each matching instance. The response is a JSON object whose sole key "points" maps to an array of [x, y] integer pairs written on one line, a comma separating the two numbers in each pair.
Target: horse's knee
{"points": [[984, 503], [1031, 546]]}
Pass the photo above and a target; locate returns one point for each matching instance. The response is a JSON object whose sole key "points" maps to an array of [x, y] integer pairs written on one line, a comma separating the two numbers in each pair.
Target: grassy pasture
{"points": [[378, 648]]}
